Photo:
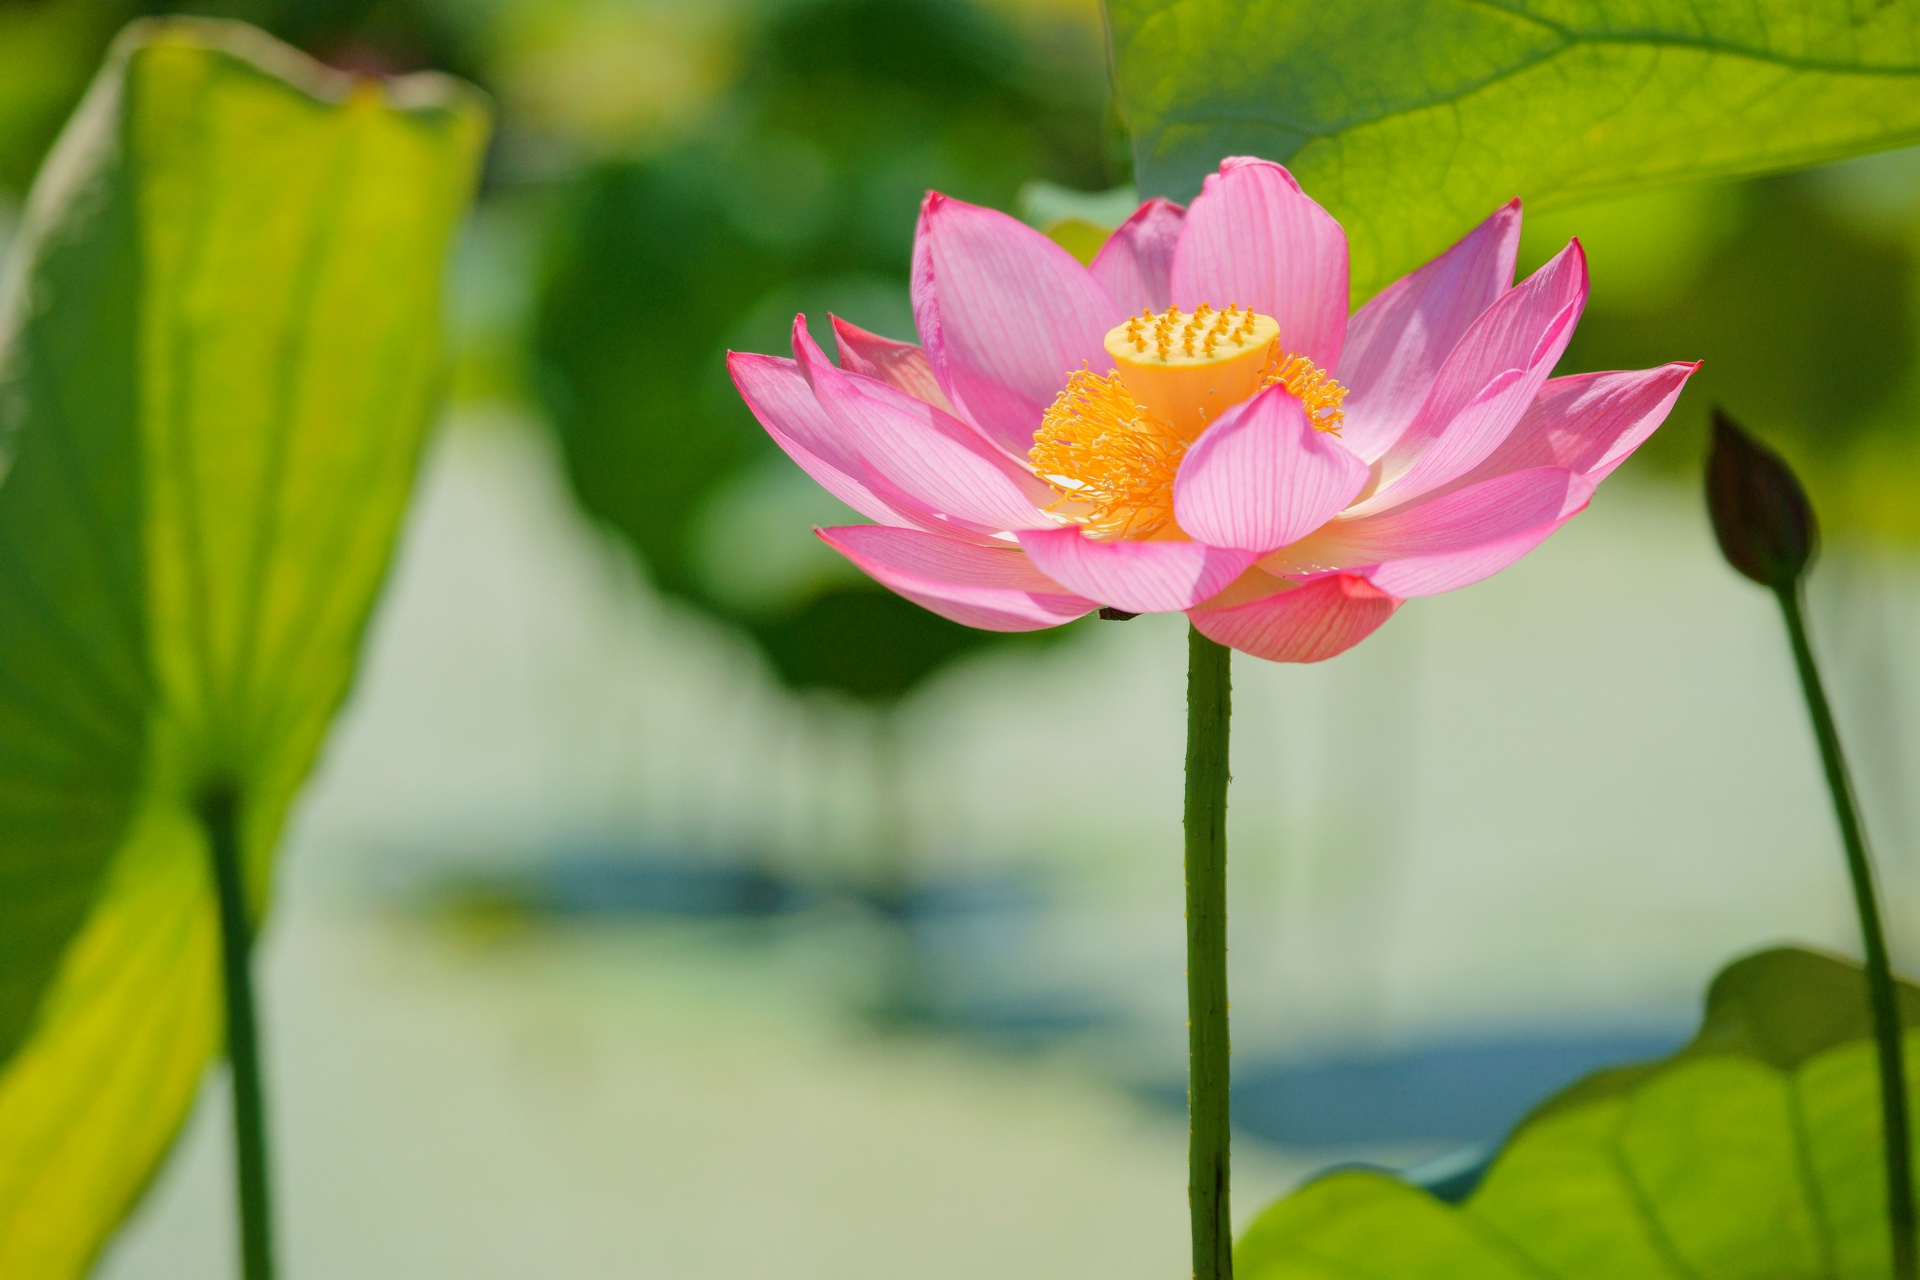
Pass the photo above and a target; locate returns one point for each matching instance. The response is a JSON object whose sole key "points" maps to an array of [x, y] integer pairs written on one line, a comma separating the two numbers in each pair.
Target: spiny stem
{"points": [[1880, 988], [1209, 706], [220, 813]]}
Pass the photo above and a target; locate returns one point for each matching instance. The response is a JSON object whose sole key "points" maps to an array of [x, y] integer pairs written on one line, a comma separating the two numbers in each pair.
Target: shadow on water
{"points": [[962, 957], [956, 955], [1463, 1091], [605, 884], [963, 965]]}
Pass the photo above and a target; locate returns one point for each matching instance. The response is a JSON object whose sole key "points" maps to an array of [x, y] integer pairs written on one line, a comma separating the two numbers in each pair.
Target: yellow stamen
{"points": [[1098, 447], [1311, 386]]}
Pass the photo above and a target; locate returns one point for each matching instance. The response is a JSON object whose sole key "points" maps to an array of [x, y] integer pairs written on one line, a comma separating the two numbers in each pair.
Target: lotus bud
{"points": [[1760, 513]]}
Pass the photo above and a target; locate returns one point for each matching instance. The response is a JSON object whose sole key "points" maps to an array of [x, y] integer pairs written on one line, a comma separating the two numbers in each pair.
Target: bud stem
{"points": [[1880, 988]]}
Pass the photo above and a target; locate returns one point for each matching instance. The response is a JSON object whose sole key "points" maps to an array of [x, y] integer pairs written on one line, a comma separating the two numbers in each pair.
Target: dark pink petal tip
{"points": [[1309, 623]]}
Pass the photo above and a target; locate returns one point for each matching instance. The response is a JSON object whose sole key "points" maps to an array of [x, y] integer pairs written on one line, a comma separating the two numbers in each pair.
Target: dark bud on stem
{"points": [[1110, 614], [1760, 513]]}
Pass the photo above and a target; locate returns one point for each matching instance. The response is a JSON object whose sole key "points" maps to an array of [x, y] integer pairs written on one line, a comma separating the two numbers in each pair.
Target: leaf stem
{"points": [[219, 810], [1209, 706], [1880, 988]]}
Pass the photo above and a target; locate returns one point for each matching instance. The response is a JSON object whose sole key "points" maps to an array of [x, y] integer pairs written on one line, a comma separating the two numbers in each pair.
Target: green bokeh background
{"points": [[798, 195], [1799, 293]]}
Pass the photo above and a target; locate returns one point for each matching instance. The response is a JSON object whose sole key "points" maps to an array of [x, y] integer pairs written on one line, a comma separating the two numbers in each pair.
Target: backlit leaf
{"points": [[1754, 1151], [1413, 119], [219, 353]]}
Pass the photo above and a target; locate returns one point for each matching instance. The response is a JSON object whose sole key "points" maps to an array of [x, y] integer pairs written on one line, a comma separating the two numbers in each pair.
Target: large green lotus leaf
{"points": [[1413, 119], [1753, 1152], [219, 354]]}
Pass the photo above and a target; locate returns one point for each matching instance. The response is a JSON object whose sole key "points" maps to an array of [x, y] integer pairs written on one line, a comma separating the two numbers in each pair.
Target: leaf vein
{"points": [[1454, 97]]}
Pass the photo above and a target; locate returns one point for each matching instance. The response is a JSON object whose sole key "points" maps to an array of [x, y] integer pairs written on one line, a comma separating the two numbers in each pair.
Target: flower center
{"points": [[1186, 367], [1110, 445]]}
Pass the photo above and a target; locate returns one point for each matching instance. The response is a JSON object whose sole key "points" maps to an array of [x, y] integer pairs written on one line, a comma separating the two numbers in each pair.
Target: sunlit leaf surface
{"points": [[1754, 1151], [218, 356], [1412, 119]]}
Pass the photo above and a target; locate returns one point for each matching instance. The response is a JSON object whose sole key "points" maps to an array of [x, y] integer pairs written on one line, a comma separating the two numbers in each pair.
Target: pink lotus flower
{"points": [[1193, 422]]}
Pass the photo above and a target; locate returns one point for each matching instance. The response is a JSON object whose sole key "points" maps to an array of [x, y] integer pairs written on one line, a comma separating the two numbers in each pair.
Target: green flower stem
{"points": [[220, 814], [1880, 989], [1209, 705]]}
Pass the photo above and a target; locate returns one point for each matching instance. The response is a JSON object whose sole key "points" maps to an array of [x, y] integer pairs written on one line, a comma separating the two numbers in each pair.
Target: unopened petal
{"points": [[1137, 576], [1309, 623], [992, 588], [1263, 477], [1255, 238]]}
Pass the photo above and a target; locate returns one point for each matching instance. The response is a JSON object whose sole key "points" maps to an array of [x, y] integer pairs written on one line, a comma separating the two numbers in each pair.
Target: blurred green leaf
{"points": [[1078, 237], [1412, 119], [1754, 1151], [48, 51], [1804, 318], [218, 357], [800, 197]]}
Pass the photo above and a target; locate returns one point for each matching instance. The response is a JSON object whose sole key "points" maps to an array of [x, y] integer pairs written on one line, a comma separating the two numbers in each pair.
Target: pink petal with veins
{"points": [[785, 405], [1309, 623], [931, 456], [1262, 476], [1139, 577], [1398, 341], [1486, 383], [1449, 571], [1589, 422], [1459, 521], [1005, 315], [993, 588], [1135, 265], [1255, 238], [901, 365]]}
